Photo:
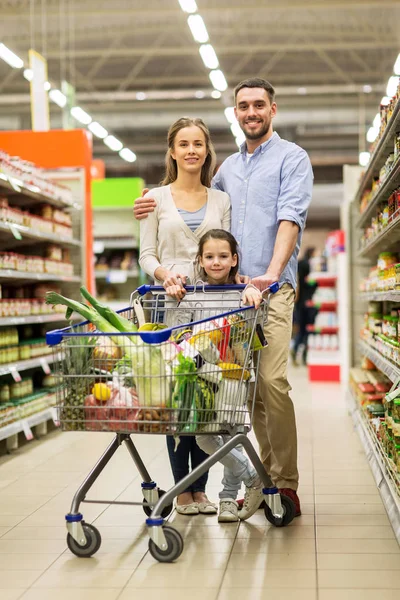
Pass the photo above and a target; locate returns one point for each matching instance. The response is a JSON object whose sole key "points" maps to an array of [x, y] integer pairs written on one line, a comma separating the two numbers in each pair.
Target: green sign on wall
{"points": [[116, 193]]}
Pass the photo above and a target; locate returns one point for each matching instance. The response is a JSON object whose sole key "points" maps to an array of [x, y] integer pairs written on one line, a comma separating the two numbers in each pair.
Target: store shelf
{"points": [[24, 365], [377, 160], [392, 296], [391, 182], [31, 320], [10, 274], [102, 244], [382, 363], [322, 306], [383, 242], [117, 275], [25, 425], [18, 188], [386, 479], [322, 330], [31, 234]]}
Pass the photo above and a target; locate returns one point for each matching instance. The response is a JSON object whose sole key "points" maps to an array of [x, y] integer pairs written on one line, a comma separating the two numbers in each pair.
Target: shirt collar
{"points": [[271, 142]]}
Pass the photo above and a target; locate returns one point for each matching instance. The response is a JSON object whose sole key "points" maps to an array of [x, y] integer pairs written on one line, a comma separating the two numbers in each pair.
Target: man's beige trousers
{"points": [[274, 420]]}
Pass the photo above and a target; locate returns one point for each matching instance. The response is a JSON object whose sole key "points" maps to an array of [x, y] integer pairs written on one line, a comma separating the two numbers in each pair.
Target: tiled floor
{"points": [[342, 548]]}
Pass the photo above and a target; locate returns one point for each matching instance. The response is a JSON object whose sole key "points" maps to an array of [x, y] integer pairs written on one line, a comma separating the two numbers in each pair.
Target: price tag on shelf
{"points": [[15, 375], [16, 233], [27, 430], [54, 416], [117, 276], [45, 366]]}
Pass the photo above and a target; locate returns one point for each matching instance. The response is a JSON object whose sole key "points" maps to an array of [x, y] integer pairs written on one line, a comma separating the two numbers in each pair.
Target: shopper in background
{"points": [[186, 208], [269, 182], [304, 315]]}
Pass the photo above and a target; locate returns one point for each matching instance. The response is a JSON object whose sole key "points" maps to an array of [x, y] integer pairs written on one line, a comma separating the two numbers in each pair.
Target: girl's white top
{"points": [[165, 239]]}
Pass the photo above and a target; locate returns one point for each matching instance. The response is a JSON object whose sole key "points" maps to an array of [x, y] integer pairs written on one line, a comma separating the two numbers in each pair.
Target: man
{"points": [[269, 182]]}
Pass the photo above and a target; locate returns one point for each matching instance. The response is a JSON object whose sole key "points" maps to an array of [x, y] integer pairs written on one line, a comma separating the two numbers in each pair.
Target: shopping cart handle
{"points": [[145, 289]]}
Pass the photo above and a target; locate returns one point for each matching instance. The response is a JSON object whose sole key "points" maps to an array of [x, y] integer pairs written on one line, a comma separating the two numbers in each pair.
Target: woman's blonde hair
{"points": [[171, 170]]}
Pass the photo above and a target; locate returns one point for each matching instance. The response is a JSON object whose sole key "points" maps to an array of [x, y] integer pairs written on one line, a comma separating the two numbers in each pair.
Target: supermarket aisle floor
{"points": [[342, 548]]}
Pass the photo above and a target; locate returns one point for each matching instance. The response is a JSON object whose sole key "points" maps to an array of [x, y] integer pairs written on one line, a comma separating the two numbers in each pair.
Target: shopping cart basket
{"points": [[190, 369]]}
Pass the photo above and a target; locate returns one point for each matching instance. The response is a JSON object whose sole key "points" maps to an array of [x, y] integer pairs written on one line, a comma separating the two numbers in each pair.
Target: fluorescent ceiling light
{"points": [[188, 6], [113, 143], [28, 74], [47, 86], [80, 115], [10, 58], [218, 80], [141, 96], [230, 114], [215, 94], [210, 59], [385, 101], [198, 28], [199, 94], [377, 121], [58, 98], [128, 155], [367, 89], [392, 86], [302, 91], [396, 68], [98, 130], [372, 134], [364, 158]]}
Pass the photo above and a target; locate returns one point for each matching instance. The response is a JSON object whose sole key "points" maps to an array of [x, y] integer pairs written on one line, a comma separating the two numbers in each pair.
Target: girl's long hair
{"points": [[171, 170], [226, 236]]}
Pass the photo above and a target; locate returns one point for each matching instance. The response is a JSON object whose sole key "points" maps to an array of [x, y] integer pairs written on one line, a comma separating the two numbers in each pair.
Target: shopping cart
{"points": [[189, 370]]}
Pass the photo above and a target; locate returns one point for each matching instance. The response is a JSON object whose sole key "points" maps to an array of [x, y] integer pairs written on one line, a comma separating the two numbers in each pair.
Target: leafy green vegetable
{"points": [[148, 367], [185, 388]]}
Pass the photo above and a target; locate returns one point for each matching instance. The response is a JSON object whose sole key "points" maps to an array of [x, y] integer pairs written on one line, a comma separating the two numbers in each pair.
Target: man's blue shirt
{"points": [[273, 185]]}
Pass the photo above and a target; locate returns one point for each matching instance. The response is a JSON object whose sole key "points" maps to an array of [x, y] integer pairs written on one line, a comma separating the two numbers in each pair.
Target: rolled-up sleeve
{"points": [[296, 189]]}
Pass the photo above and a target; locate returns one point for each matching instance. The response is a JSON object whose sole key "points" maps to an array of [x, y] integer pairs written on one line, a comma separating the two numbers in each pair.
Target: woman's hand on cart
{"points": [[252, 296], [174, 285]]}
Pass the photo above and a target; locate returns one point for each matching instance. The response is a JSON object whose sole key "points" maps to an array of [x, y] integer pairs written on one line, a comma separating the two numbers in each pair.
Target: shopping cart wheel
{"points": [[93, 542], [289, 512], [175, 546], [165, 513]]}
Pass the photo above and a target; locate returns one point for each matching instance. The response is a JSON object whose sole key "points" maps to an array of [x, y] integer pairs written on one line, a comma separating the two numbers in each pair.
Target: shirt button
{"points": [[240, 222], [242, 201], [245, 180]]}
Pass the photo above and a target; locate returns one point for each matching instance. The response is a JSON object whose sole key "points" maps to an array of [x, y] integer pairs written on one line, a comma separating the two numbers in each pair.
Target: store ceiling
{"points": [[319, 54]]}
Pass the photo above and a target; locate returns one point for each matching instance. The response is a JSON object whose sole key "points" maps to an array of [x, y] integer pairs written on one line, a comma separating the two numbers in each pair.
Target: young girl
{"points": [[218, 259]]}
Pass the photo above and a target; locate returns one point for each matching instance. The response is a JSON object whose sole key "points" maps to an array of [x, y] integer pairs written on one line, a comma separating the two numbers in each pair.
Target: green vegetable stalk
{"points": [[121, 323]]}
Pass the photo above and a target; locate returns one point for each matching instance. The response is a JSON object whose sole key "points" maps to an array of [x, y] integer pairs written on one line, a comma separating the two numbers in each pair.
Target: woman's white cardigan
{"points": [[165, 239]]}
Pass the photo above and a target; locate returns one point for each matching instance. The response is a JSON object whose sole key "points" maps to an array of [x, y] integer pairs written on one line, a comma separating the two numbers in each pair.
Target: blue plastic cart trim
{"points": [[145, 289], [154, 522], [73, 518], [270, 491], [149, 485], [150, 337]]}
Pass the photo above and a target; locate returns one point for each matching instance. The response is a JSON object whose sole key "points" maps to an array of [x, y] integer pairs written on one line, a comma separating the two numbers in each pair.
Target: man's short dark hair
{"points": [[256, 82]]}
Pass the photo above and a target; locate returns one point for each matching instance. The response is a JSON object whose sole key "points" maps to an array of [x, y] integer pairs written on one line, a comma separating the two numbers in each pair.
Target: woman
{"points": [[186, 209]]}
